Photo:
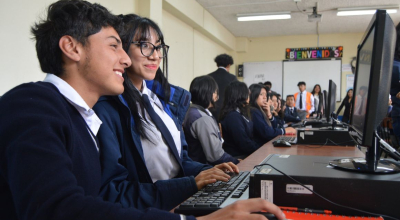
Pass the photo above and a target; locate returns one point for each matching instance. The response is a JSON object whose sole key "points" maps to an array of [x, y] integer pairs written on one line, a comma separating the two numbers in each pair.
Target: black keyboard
{"points": [[216, 195]]}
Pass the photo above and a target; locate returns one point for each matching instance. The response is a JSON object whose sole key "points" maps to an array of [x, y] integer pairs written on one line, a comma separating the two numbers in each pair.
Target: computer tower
{"points": [[368, 192], [324, 136]]}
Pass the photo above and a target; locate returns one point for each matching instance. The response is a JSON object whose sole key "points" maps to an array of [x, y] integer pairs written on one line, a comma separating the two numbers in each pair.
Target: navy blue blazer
{"points": [[291, 117], [49, 165], [237, 132], [261, 130], [125, 177]]}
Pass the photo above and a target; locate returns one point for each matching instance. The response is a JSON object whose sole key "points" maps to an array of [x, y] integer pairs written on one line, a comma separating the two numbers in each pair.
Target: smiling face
{"points": [[101, 65], [143, 68]]}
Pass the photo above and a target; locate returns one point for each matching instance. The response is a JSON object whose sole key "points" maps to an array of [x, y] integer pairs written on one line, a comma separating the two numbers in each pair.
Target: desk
{"points": [[313, 150]]}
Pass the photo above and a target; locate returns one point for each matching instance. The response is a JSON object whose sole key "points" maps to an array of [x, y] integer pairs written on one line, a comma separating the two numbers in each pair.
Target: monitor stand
{"points": [[370, 164]]}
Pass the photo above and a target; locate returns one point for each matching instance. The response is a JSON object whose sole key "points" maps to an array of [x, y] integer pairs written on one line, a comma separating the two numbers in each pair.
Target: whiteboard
{"points": [[311, 72], [255, 72]]}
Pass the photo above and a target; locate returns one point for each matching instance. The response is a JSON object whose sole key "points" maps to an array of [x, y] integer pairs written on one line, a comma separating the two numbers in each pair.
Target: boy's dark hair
{"points": [[223, 60], [268, 83], [397, 48], [236, 95], [76, 18], [288, 96], [202, 89], [301, 83]]}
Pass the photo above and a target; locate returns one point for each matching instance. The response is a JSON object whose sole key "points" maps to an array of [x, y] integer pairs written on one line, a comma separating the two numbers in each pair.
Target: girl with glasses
{"points": [[144, 160]]}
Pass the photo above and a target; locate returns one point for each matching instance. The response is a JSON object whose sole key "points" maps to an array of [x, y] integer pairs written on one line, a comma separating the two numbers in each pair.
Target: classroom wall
{"points": [[18, 60], [194, 35], [191, 53], [273, 48]]}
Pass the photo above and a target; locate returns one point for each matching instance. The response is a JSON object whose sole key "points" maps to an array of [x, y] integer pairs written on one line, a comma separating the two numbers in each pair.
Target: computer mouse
{"points": [[281, 143], [268, 215]]}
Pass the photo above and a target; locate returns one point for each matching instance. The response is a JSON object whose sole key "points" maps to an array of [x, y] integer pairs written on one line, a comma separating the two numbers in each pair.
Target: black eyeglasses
{"points": [[147, 49]]}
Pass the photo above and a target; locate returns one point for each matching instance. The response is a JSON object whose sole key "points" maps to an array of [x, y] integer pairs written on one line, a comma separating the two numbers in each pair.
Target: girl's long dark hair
{"points": [[320, 90], [236, 95], [255, 90], [138, 28], [347, 95]]}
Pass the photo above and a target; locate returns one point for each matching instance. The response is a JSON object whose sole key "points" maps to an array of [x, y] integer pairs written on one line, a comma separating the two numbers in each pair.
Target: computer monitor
{"points": [[331, 101], [371, 93]]}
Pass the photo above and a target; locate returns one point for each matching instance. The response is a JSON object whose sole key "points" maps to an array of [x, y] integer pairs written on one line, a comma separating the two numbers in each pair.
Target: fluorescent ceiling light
{"points": [[263, 16], [365, 10]]}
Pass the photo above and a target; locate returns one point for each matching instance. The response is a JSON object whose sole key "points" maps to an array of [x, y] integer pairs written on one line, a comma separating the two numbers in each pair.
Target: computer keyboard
{"points": [[216, 195], [289, 139]]}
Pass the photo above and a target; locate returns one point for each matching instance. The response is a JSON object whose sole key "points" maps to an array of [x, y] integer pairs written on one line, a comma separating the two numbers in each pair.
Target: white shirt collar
{"points": [[208, 112], [223, 68], [77, 101], [152, 97]]}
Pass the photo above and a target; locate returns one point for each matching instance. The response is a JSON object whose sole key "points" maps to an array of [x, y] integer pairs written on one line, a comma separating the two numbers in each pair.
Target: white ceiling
{"points": [[225, 12]]}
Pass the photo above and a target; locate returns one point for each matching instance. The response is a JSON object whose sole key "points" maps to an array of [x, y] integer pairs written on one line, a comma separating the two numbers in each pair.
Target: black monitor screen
{"points": [[331, 101], [362, 82]]}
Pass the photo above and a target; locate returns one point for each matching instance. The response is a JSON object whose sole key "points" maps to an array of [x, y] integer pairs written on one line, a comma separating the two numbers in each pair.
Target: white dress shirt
{"points": [[73, 97], [159, 159], [304, 96]]}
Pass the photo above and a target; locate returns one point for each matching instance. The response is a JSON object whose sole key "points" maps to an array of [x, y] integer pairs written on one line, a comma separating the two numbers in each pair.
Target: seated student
{"points": [[49, 159], [201, 129], [264, 123], [145, 162], [235, 120], [276, 109], [291, 111]]}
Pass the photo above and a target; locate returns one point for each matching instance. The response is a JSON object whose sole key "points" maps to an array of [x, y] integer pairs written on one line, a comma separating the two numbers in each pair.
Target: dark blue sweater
{"points": [[49, 165], [126, 179], [237, 132], [261, 130]]}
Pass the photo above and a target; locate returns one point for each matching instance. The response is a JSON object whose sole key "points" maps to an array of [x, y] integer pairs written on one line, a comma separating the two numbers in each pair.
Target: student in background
{"points": [[360, 106], [304, 101], [236, 123], [291, 111], [144, 159], [268, 86], [347, 104], [283, 108], [223, 78], [318, 101], [201, 129], [276, 109], [265, 126]]}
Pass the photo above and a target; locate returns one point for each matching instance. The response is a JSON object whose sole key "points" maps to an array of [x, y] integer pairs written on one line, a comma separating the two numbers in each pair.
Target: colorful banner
{"points": [[314, 53]]}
